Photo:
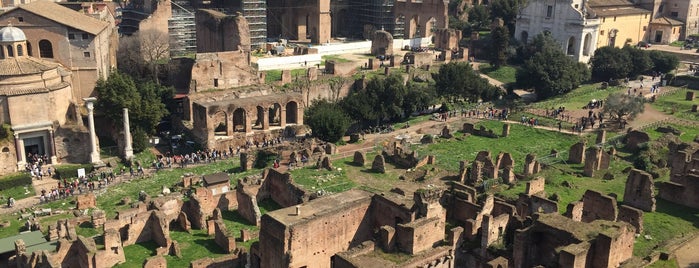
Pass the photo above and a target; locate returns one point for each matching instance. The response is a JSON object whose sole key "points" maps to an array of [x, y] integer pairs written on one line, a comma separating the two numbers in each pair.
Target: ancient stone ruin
{"points": [[379, 164], [482, 131], [640, 191], [382, 43], [576, 155]]}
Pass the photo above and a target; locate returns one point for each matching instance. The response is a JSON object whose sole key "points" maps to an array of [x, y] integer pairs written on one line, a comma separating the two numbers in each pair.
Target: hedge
{"points": [[71, 171], [16, 180]]}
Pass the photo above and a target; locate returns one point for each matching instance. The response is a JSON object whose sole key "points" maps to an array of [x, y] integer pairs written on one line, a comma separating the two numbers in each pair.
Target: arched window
{"points": [[2, 53], [571, 46], [45, 49], [20, 52], [10, 51], [29, 48], [586, 44]]}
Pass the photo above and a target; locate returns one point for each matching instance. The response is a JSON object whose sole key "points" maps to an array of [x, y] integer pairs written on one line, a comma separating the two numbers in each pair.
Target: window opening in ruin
{"points": [[215, 82], [20, 51], [29, 48], [10, 51]]}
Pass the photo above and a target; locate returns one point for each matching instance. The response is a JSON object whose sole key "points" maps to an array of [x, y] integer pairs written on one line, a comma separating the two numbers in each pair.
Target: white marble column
{"points": [[95, 154], [128, 149]]}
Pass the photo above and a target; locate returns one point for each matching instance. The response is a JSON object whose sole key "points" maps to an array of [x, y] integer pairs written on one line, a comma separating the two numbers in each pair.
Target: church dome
{"points": [[11, 34]]}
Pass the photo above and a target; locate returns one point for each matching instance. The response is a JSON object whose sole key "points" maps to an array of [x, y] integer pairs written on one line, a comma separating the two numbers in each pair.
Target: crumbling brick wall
{"points": [[281, 188]]}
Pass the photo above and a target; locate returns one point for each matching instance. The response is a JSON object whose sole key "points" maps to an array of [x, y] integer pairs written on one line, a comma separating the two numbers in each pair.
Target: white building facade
{"points": [[568, 22]]}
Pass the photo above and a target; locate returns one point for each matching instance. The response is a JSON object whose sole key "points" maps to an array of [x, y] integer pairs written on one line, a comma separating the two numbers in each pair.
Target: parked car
{"points": [[643, 44]]}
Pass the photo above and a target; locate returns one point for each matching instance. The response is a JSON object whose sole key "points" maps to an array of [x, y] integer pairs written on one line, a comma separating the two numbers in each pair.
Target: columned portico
{"points": [[35, 139]]}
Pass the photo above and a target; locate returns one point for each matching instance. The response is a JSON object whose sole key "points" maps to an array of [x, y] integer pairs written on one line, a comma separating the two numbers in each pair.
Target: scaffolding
{"points": [[378, 13], [255, 12], [182, 29]]}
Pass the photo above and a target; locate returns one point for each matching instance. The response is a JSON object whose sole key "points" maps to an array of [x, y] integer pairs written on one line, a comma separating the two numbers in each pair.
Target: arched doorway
{"points": [[292, 112], [571, 46], [275, 115], [220, 120], [239, 120], [586, 44]]}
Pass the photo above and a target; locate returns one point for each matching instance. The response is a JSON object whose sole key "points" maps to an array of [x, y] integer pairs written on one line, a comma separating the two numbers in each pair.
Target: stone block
{"points": [[446, 133], [689, 96], [505, 130], [85, 201], [379, 164], [245, 235], [286, 76], [640, 190], [359, 158], [576, 155]]}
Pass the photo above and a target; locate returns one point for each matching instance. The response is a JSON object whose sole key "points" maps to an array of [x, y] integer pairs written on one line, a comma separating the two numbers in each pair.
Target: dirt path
{"points": [[687, 256]]}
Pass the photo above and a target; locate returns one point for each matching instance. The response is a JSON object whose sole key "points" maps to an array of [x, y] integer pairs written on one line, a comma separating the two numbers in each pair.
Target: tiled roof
{"points": [[26, 91], [65, 16], [606, 8], [24, 65], [666, 21]]}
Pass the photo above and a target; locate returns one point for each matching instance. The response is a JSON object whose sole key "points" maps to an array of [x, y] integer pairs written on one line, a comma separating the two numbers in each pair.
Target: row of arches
{"points": [[18, 50], [413, 27], [261, 118]]}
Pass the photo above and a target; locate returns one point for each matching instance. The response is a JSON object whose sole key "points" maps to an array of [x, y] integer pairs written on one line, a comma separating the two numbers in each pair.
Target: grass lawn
{"points": [[505, 74], [577, 98], [669, 221], [522, 141], [336, 58], [676, 105], [688, 132], [671, 263], [313, 179], [136, 254], [16, 185], [274, 76]]}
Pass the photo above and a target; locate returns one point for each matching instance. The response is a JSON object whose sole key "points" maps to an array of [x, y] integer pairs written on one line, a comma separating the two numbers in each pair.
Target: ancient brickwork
{"points": [[598, 207], [633, 216], [218, 32], [640, 191], [576, 155], [281, 188], [247, 205], [382, 43]]}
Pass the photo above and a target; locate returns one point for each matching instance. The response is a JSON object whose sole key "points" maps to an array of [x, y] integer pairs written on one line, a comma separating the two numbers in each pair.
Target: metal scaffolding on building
{"points": [[182, 29], [255, 12]]}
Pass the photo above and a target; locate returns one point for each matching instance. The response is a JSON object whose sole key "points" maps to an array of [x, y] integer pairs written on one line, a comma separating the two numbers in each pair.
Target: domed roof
{"points": [[11, 34]]}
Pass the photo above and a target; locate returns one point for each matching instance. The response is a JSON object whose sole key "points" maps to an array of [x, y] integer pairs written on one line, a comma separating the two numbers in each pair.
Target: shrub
{"points": [[71, 171], [17, 180]]}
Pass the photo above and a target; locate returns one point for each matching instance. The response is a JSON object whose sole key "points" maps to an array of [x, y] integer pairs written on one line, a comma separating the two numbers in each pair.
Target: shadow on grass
{"points": [[210, 245], [677, 210], [234, 216]]}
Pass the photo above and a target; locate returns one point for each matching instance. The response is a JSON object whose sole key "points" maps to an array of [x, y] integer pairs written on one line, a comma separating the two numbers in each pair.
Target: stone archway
{"points": [[240, 122], [275, 115], [430, 26], [292, 110], [220, 123]]}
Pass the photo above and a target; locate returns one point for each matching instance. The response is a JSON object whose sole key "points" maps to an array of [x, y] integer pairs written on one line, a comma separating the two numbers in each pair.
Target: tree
{"points": [[640, 60], [620, 106], [479, 17], [458, 79], [507, 10], [418, 97], [327, 120], [663, 62], [145, 103], [140, 54], [381, 101], [500, 39], [610, 63], [550, 72], [540, 42]]}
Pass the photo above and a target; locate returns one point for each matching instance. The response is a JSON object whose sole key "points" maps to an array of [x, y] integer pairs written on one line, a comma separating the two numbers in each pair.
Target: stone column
{"points": [[265, 119], [282, 117], [94, 154], [18, 150], [52, 145], [128, 149]]}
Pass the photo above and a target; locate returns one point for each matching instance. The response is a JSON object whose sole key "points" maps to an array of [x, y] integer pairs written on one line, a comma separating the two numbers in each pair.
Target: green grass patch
{"points": [[274, 76], [669, 221], [577, 98], [314, 179], [68, 171], [522, 141], [85, 229], [18, 186], [671, 263], [336, 58], [688, 132], [504, 74], [677, 44], [676, 105], [137, 253], [194, 246]]}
